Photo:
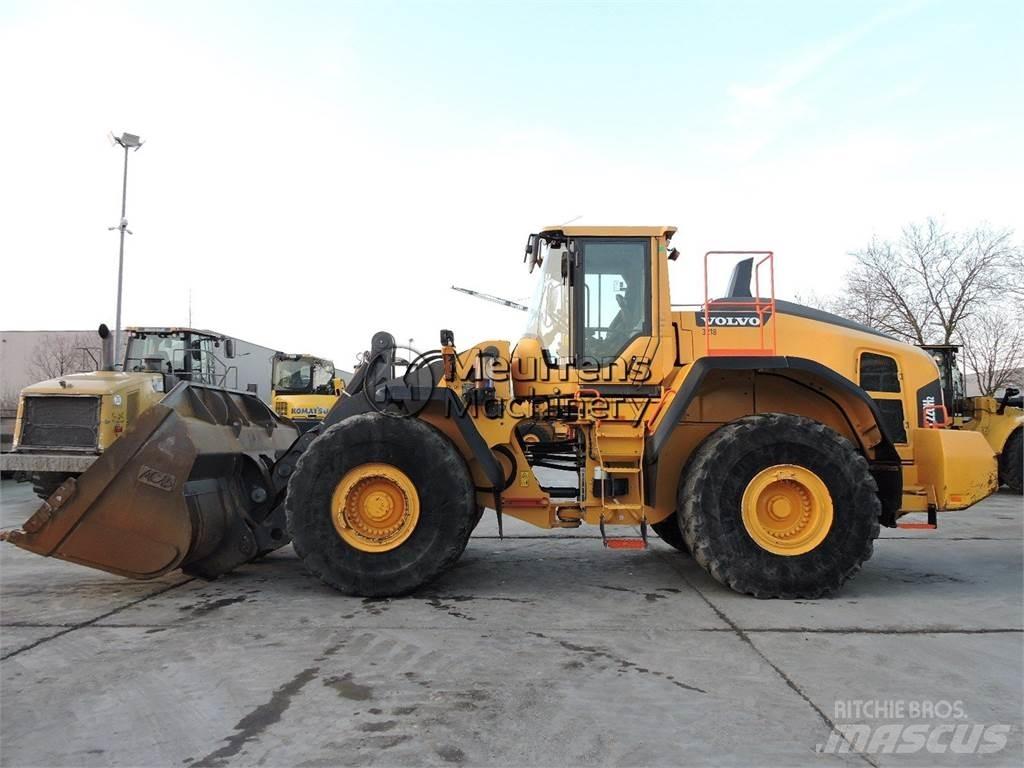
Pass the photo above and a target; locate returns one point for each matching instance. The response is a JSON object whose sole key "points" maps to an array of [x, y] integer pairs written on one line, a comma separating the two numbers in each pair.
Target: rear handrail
{"points": [[764, 308]]}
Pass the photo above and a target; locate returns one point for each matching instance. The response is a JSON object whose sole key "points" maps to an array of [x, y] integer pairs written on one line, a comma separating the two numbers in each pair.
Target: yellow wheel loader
{"points": [[305, 388], [768, 439], [64, 424], [1000, 420]]}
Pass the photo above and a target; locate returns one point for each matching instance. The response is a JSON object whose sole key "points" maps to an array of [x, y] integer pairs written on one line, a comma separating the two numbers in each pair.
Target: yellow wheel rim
{"points": [[375, 507], [787, 509]]}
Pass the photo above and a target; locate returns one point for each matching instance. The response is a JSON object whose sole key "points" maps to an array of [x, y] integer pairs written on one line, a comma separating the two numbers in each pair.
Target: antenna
{"points": [[190, 307], [570, 221]]}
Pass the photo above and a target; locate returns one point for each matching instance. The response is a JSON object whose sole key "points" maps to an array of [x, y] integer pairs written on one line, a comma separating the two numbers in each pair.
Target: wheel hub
{"points": [[787, 509], [375, 507]]}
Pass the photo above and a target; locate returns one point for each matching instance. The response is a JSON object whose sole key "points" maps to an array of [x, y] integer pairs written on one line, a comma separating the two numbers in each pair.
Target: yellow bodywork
{"points": [[986, 419], [941, 469], [122, 397], [956, 468], [304, 407]]}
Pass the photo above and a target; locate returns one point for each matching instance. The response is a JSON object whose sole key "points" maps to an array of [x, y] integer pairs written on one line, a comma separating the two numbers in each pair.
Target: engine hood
{"points": [[94, 383]]}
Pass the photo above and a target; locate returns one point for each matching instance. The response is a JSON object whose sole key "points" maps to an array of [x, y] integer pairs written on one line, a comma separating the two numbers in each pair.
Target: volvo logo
{"points": [[723, 319]]}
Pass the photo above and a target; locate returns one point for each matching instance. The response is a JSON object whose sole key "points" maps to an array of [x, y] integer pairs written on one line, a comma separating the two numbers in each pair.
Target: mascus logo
{"points": [[157, 479], [732, 319]]}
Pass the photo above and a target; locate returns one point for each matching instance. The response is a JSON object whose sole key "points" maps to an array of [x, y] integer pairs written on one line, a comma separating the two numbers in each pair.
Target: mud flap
{"points": [[188, 486]]}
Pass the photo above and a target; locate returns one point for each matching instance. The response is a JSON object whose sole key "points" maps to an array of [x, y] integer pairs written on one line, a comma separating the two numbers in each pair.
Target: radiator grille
{"points": [[60, 422], [281, 406]]}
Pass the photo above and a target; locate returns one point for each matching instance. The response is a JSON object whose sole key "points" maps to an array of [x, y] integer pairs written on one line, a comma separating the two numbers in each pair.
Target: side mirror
{"points": [[229, 348], [532, 252]]}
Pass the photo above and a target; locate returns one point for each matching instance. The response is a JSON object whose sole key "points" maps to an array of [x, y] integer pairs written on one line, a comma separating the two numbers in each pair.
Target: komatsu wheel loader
{"points": [[768, 439], [306, 387]]}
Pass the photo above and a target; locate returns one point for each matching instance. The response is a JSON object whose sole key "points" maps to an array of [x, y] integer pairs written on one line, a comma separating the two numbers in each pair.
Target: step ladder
{"points": [[624, 467]]}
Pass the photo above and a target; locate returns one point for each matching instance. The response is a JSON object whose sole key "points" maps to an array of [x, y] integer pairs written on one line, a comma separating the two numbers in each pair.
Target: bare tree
{"points": [[923, 287], [934, 286], [9, 398], [58, 354], [993, 347]]}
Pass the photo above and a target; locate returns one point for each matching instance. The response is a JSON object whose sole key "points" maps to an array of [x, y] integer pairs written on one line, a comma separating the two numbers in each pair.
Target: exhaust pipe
{"points": [[107, 345]]}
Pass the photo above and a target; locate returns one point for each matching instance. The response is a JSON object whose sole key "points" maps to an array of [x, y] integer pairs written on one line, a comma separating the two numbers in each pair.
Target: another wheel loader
{"points": [[768, 439], [63, 424], [1000, 420], [304, 389]]}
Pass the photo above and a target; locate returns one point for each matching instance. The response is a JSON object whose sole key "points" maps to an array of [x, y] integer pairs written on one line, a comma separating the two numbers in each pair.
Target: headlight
{"points": [[117, 400], [158, 384]]}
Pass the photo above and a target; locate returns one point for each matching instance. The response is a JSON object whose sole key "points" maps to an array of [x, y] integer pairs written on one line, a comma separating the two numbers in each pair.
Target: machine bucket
{"points": [[188, 486]]}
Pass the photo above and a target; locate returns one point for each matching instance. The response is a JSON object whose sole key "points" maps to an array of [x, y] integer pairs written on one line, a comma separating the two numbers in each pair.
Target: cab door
{"points": [[613, 340]]}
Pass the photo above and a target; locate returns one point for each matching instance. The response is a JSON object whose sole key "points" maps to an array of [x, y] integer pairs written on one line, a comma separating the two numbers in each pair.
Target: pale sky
{"points": [[315, 172]]}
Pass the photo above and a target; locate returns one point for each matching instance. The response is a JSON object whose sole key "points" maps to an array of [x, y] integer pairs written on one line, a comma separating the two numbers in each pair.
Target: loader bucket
{"points": [[187, 486]]}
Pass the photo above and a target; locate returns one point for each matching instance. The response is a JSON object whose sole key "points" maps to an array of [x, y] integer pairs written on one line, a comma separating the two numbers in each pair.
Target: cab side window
{"points": [[878, 373], [615, 306], [880, 378]]}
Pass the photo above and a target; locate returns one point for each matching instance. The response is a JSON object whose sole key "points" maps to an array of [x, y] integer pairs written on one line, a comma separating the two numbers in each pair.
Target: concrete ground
{"points": [[540, 650]]}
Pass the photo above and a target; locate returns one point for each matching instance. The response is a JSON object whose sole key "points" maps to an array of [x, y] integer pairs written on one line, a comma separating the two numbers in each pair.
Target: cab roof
{"points": [[173, 329], [597, 231]]}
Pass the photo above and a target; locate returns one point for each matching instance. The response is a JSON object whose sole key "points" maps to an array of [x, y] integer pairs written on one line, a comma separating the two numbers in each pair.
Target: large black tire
{"points": [[1010, 463], [447, 503], [710, 506], [669, 532]]}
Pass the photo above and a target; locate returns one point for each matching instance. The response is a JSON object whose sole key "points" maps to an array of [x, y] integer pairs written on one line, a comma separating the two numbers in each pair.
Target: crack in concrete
{"points": [[745, 638], [90, 622], [624, 664]]}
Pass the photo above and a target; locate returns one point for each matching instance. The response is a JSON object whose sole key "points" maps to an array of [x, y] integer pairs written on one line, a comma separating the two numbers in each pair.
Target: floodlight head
{"points": [[129, 141]]}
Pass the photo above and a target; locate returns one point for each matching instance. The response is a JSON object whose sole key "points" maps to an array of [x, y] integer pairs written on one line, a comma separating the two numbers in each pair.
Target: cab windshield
{"points": [[303, 376], [157, 352], [548, 317]]}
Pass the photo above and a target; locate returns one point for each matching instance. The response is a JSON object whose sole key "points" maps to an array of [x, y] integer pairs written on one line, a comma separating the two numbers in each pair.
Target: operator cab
{"points": [[303, 375], [951, 378], [593, 298], [176, 353]]}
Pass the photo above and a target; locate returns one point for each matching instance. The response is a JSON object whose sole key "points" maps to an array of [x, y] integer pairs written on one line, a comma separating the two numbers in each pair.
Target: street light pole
{"points": [[126, 141]]}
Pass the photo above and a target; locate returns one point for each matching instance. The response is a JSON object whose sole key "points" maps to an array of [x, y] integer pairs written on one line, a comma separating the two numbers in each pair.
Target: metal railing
{"points": [[763, 308]]}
